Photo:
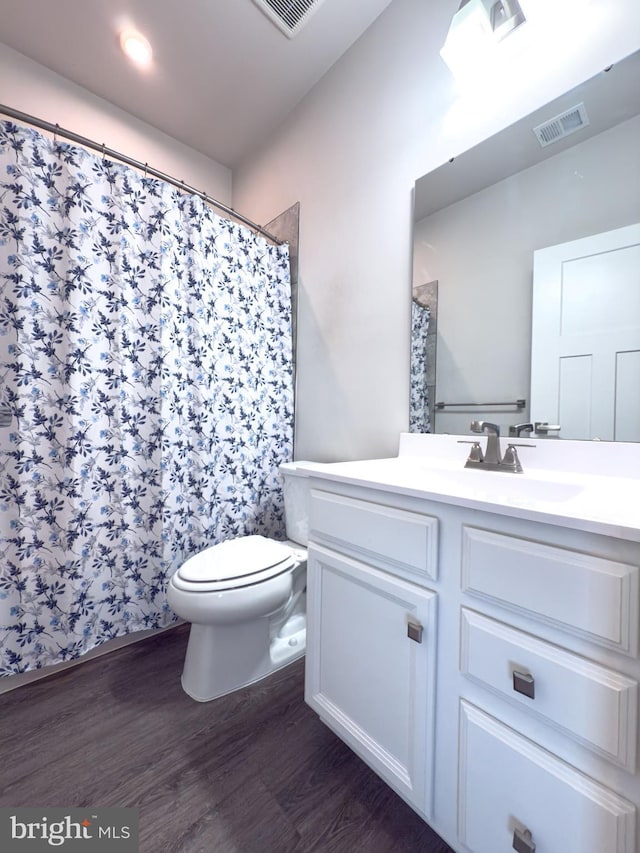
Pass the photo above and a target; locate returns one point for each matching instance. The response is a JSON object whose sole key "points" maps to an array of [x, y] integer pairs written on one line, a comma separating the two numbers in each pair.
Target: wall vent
{"points": [[289, 16], [562, 125]]}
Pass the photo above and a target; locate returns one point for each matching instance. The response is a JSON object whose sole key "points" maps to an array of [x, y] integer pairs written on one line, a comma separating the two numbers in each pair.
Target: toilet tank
{"points": [[296, 502]]}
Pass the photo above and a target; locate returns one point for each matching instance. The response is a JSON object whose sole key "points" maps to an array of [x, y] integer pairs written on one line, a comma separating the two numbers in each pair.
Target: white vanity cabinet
{"points": [[548, 714], [371, 636], [513, 724]]}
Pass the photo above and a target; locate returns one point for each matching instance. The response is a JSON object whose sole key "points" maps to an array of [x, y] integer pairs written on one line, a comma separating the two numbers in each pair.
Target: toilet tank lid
{"points": [[295, 469], [236, 558]]}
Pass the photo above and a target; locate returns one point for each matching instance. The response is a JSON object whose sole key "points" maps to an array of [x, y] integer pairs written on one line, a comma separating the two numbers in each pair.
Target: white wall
{"points": [[480, 250], [31, 88], [350, 154]]}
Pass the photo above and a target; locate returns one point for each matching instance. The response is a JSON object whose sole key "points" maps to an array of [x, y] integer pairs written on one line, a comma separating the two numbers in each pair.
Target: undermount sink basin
{"points": [[503, 487], [528, 488]]}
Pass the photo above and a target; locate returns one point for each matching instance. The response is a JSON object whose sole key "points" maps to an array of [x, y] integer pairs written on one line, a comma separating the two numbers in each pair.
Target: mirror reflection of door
{"points": [[585, 367]]}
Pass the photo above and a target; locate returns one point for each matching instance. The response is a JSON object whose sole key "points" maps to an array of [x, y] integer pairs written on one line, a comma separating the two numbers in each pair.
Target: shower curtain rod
{"points": [[129, 161]]}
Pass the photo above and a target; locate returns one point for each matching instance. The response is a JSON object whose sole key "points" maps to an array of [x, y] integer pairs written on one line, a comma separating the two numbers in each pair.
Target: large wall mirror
{"points": [[526, 280]]}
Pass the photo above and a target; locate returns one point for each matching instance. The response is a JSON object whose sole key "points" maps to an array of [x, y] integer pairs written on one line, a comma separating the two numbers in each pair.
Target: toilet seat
{"points": [[234, 564]]}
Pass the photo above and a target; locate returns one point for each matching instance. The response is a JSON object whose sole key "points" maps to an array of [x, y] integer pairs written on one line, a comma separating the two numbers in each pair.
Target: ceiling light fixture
{"points": [[136, 47], [477, 43], [476, 29]]}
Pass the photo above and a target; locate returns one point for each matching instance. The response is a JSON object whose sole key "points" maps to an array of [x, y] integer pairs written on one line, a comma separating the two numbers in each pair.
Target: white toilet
{"points": [[245, 599]]}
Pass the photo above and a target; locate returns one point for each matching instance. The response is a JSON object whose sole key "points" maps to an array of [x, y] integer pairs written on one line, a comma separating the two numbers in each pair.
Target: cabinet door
{"points": [[366, 677]]}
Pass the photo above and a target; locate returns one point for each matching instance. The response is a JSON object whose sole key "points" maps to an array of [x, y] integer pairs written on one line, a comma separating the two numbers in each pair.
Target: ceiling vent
{"points": [[566, 123], [289, 16]]}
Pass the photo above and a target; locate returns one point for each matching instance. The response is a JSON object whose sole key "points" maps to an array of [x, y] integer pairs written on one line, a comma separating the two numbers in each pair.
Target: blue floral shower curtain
{"points": [[145, 354], [419, 420]]}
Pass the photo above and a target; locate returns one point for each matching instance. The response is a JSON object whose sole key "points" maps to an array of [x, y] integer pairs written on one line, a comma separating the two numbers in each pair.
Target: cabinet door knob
{"points": [[524, 683], [414, 632], [523, 842]]}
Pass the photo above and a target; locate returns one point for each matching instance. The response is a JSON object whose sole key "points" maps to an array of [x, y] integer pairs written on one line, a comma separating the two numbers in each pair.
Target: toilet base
{"points": [[250, 654]]}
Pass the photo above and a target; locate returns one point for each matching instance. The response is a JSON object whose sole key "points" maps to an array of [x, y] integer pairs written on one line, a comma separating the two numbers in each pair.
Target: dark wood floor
{"points": [[253, 772]]}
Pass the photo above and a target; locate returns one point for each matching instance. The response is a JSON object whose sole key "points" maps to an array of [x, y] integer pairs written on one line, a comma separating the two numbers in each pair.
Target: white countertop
{"points": [[591, 486]]}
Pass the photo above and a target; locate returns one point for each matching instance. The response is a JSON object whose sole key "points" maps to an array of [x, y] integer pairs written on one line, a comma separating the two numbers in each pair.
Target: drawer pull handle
{"points": [[522, 841], [524, 683], [414, 632]]}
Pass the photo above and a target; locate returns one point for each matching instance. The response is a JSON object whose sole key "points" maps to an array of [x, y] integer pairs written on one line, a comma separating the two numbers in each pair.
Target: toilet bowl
{"points": [[245, 599]]}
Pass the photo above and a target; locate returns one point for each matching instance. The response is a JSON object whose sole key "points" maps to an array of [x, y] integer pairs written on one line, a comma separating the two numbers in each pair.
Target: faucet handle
{"points": [[475, 454], [510, 459]]}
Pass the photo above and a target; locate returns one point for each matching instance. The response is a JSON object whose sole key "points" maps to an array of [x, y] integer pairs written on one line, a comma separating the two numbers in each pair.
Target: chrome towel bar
{"points": [[520, 404]]}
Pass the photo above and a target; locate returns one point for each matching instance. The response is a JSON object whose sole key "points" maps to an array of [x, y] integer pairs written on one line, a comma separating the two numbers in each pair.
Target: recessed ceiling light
{"points": [[136, 47]]}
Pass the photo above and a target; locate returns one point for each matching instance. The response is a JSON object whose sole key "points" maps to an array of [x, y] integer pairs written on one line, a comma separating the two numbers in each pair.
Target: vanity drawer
{"points": [[581, 593], [387, 537], [508, 784], [595, 705]]}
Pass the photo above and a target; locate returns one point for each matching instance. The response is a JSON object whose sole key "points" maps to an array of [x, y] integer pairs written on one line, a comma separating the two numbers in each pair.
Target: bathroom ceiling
{"points": [[223, 76]]}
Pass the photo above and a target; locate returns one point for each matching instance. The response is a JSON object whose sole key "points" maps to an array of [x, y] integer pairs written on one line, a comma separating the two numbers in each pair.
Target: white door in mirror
{"points": [[585, 349]]}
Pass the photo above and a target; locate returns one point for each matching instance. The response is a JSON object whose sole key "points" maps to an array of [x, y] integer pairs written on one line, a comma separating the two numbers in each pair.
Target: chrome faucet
{"points": [[518, 429], [492, 453], [492, 459]]}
